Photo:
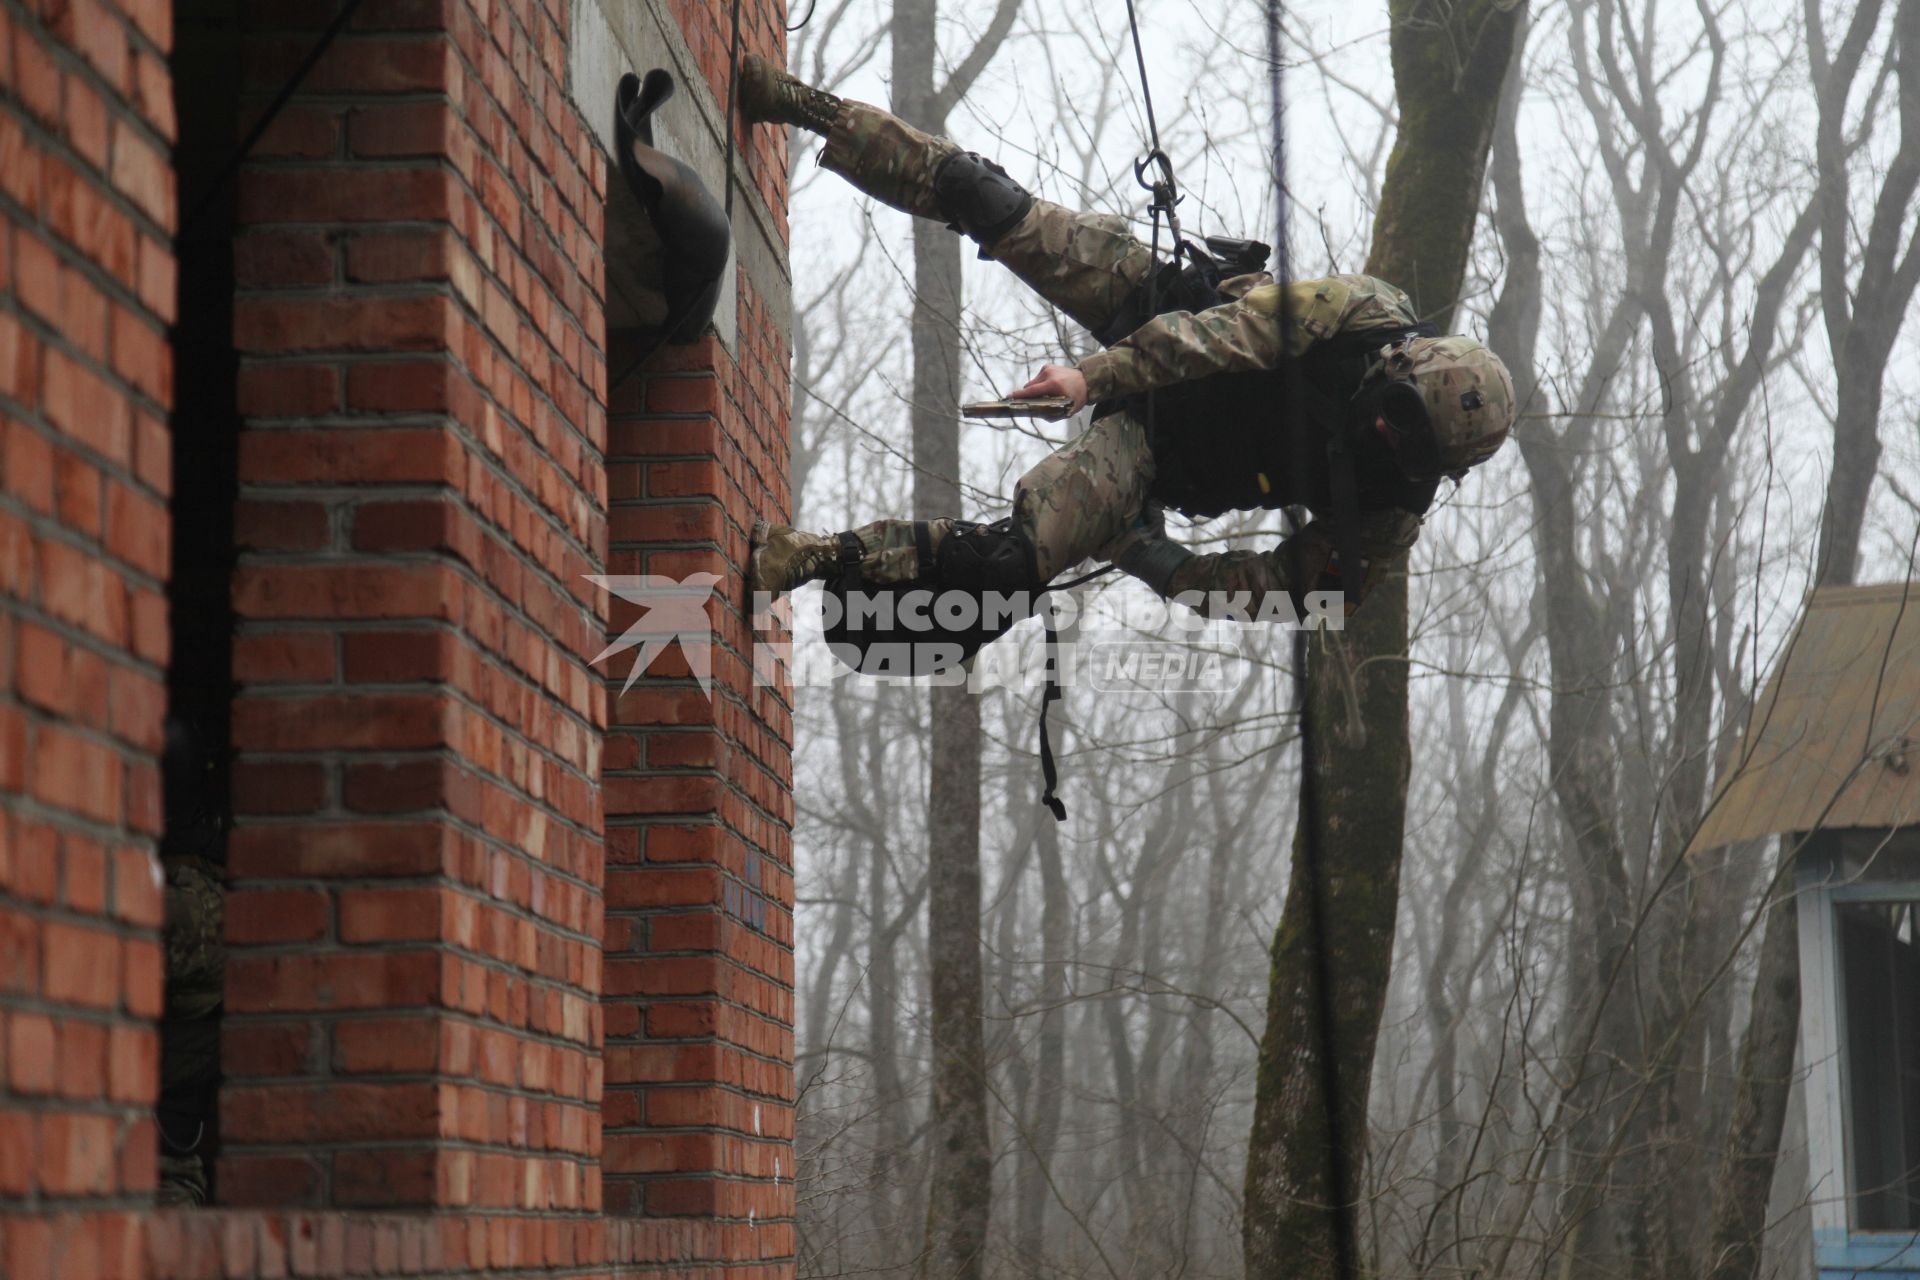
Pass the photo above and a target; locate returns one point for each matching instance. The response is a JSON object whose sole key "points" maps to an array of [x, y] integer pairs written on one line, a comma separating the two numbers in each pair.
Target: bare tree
{"points": [[1448, 64], [961, 1193], [1551, 991], [1864, 287], [1863, 317]]}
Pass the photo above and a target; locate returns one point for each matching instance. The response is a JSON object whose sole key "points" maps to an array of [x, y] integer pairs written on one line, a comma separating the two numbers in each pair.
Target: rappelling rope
{"points": [[733, 101], [1165, 192], [1165, 197]]}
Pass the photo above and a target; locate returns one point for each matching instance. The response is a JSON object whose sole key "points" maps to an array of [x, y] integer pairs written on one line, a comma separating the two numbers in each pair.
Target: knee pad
{"points": [[976, 196], [913, 627], [978, 558]]}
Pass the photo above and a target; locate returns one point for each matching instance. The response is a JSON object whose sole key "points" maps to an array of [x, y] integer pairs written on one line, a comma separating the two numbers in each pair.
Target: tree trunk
{"points": [[1449, 88], [960, 1189], [883, 1032], [1043, 1128], [1747, 1160], [1149, 1242]]}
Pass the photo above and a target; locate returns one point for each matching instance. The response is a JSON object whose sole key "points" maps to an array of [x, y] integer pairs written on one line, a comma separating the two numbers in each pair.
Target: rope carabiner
{"points": [[1165, 191], [1165, 182]]}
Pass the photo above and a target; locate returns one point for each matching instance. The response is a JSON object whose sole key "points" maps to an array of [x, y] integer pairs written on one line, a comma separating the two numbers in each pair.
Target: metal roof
{"points": [[1834, 740]]}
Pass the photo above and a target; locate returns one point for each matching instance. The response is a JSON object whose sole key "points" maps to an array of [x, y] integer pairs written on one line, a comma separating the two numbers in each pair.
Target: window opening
{"points": [[1880, 990]]}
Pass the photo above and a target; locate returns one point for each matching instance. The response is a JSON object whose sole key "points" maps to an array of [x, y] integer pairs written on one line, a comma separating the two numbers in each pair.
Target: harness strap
{"points": [[1049, 772], [1344, 490], [922, 547], [852, 551]]}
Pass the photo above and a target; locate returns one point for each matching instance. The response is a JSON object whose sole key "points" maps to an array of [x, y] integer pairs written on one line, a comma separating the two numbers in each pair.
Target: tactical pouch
{"points": [[1192, 287]]}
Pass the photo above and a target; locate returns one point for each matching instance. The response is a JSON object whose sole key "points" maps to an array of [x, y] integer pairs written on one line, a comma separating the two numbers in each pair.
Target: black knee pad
{"points": [[976, 196], [978, 558], [968, 593]]}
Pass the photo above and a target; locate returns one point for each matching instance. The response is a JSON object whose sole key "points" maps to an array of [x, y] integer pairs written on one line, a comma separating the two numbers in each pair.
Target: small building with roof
{"points": [[1828, 763]]}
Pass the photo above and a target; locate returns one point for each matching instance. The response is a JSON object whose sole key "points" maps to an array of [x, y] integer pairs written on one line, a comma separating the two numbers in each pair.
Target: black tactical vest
{"points": [[1242, 441]]}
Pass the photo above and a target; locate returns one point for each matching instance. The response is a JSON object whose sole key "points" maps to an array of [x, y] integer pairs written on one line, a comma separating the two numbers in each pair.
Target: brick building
{"points": [[316, 453]]}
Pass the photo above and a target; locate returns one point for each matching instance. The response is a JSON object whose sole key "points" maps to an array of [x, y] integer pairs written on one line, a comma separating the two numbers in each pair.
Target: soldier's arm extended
{"points": [[1254, 331], [1237, 580]]}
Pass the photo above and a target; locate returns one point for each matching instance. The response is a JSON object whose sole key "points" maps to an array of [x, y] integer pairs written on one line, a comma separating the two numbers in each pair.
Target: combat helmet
{"points": [[1464, 393], [695, 233]]}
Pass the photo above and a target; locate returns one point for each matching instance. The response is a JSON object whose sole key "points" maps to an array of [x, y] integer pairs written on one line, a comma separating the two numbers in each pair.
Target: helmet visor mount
{"points": [[1393, 409]]}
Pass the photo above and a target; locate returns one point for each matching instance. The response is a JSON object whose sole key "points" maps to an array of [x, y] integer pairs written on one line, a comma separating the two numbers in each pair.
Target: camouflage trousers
{"points": [[1086, 494], [190, 1029]]}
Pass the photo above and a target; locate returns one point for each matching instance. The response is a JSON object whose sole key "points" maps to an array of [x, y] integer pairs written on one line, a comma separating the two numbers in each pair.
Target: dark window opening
{"points": [[1880, 991], [205, 433]]}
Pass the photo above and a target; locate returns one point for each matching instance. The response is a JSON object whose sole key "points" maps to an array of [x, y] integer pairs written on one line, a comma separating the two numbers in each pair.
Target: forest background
{"points": [[1694, 247]]}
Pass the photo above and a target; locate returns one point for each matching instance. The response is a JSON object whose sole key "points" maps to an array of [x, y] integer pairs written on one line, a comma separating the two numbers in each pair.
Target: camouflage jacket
{"points": [[1251, 331], [1254, 331]]}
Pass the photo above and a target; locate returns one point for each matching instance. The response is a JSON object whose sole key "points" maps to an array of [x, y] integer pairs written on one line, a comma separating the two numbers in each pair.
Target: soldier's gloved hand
{"points": [[1146, 552], [1310, 558], [1056, 380]]}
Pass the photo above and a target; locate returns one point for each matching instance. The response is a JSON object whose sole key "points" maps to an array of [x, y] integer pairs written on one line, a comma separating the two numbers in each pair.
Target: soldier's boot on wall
{"points": [[768, 95], [784, 558], [875, 150]]}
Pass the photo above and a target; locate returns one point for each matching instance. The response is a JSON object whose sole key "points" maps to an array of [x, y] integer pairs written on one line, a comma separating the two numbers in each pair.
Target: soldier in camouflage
{"points": [[195, 968], [1097, 495]]}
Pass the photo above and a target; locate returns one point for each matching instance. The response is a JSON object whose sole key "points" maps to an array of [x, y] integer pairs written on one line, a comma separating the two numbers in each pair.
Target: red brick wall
{"points": [[415, 864], [427, 802], [698, 1116], [707, 26], [86, 293]]}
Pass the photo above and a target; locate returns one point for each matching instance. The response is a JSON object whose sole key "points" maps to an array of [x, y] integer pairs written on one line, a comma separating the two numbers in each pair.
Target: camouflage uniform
{"points": [[1088, 495], [190, 851], [190, 1031]]}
